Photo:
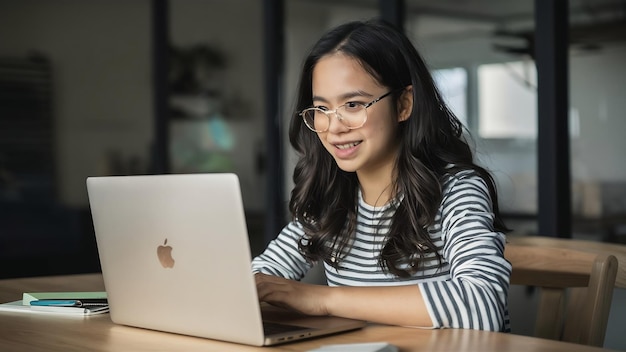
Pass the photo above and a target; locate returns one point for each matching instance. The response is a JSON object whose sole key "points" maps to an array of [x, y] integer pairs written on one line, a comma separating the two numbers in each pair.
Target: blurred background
{"points": [[116, 87]]}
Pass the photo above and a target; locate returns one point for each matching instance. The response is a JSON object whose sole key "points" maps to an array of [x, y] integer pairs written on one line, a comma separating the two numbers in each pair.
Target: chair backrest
{"points": [[576, 289], [616, 249]]}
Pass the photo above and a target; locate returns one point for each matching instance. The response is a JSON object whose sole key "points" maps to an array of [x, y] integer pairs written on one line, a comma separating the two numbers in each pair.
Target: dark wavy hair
{"points": [[325, 198]]}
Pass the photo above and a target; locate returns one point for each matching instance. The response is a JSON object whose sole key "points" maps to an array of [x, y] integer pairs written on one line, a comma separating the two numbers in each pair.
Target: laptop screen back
{"points": [[175, 256]]}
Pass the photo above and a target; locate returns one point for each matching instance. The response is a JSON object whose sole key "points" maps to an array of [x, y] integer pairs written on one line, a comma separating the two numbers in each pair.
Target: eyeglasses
{"points": [[351, 115]]}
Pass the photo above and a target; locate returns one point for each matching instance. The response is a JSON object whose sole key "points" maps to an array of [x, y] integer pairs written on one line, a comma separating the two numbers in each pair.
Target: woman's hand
{"points": [[304, 298]]}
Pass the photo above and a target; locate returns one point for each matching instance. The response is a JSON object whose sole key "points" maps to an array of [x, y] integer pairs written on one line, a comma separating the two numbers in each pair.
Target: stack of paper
{"points": [[70, 303]]}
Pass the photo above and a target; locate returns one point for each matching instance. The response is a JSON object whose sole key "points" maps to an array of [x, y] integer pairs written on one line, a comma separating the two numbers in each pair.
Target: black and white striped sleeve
{"points": [[475, 296], [282, 257]]}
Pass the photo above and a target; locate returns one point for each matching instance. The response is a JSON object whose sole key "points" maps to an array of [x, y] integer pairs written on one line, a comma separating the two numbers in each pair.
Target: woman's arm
{"points": [[282, 257], [395, 305], [475, 297]]}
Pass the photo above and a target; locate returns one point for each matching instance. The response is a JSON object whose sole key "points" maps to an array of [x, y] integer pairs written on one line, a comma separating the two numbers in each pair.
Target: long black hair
{"points": [[324, 199]]}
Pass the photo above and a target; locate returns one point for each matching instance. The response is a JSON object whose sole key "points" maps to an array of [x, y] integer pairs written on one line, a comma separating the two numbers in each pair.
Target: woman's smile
{"points": [[347, 145]]}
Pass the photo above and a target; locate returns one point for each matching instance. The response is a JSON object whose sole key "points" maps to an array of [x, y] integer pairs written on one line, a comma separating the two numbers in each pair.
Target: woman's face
{"points": [[372, 148]]}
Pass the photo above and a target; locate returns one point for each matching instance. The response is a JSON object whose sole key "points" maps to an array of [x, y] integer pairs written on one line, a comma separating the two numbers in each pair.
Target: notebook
{"points": [[175, 257]]}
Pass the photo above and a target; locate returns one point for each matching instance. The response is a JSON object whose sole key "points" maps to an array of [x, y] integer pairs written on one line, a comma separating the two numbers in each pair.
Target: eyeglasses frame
{"points": [[334, 111]]}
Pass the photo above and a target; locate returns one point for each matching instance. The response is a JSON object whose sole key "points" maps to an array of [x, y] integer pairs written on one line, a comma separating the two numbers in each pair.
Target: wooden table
{"points": [[38, 332]]}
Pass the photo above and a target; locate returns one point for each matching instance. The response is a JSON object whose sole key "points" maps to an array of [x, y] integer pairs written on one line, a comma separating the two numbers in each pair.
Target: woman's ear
{"points": [[405, 104]]}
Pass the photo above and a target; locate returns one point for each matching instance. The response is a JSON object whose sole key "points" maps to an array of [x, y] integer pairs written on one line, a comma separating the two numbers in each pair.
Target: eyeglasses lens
{"points": [[350, 116]]}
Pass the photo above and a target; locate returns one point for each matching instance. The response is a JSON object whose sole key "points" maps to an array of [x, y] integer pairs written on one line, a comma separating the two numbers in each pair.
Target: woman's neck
{"points": [[376, 189]]}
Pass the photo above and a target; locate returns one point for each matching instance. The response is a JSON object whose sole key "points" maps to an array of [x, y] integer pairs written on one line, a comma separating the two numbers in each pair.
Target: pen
{"points": [[57, 302], [76, 302]]}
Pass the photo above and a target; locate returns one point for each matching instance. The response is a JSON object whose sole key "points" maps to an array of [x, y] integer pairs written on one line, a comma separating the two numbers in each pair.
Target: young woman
{"points": [[386, 195]]}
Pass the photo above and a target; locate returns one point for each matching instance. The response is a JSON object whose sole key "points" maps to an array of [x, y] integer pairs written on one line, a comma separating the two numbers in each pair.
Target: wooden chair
{"points": [[576, 289]]}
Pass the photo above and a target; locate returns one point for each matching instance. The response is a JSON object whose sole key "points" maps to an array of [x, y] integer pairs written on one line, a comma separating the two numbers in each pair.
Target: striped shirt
{"points": [[468, 290]]}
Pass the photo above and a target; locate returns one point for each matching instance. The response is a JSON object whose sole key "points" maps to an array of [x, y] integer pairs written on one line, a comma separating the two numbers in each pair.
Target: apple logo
{"points": [[164, 252]]}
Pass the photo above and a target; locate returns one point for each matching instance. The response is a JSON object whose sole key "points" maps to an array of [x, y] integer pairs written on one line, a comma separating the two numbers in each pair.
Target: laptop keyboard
{"points": [[277, 328]]}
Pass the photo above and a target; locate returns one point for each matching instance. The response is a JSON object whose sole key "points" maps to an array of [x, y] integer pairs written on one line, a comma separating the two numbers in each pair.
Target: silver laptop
{"points": [[175, 257]]}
